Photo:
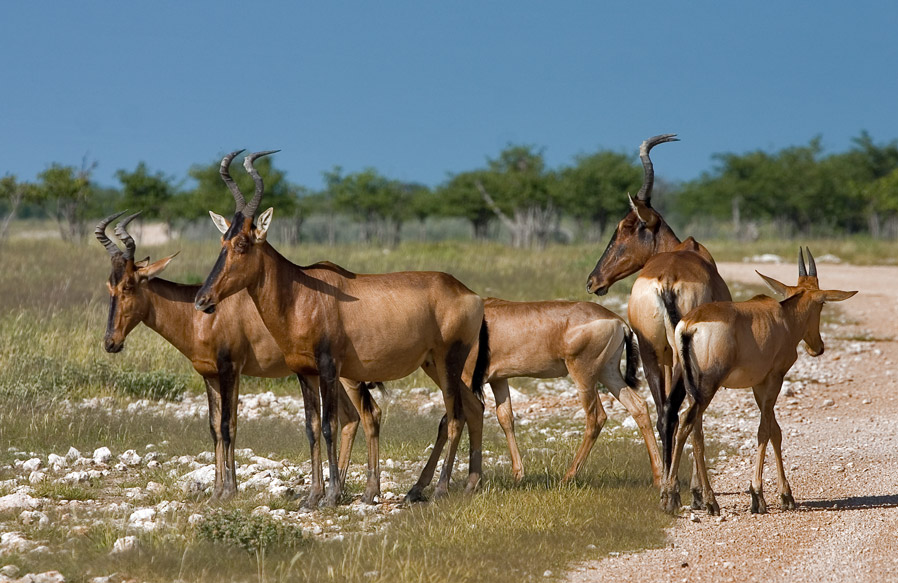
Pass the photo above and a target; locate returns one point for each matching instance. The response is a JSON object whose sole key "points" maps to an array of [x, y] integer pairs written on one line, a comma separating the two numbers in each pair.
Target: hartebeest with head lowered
{"points": [[551, 339], [331, 322], [221, 347], [676, 277], [748, 344]]}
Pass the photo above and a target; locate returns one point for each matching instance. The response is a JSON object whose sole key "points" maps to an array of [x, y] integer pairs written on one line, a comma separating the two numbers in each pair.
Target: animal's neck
{"points": [[171, 312], [665, 240], [274, 290]]}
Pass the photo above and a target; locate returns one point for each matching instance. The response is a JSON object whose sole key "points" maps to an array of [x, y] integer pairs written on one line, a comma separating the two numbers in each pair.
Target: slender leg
{"points": [[229, 430], [595, 419], [213, 394], [670, 495], [768, 430], [330, 387], [364, 404], [349, 419], [449, 369], [506, 421], [639, 410], [312, 406], [416, 494], [700, 472]]}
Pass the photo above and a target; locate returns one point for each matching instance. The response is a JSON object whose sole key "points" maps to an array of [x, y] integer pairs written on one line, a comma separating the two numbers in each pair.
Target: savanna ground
{"points": [[59, 390]]}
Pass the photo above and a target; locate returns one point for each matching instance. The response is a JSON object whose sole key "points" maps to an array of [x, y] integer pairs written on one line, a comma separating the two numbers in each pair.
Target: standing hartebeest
{"points": [[221, 346], [551, 339], [748, 344], [676, 277], [331, 322]]}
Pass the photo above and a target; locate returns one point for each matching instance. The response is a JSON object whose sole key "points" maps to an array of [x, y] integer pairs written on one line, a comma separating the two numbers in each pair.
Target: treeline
{"points": [[514, 196]]}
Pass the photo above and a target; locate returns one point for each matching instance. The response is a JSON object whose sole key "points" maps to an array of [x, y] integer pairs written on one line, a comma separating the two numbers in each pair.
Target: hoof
{"points": [[698, 500], [312, 501], [440, 492], [670, 502], [788, 502], [713, 508], [758, 504], [370, 497], [330, 501], [415, 495]]}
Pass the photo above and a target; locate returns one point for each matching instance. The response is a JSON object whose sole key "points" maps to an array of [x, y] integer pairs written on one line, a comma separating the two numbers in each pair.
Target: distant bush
{"points": [[252, 533]]}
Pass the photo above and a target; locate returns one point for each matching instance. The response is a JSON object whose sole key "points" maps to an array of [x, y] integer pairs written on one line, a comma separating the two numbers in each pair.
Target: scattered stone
{"points": [[195, 519], [18, 501], [57, 462], [828, 402], [102, 455], [125, 544], [45, 577], [15, 542], [34, 516], [155, 488], [130, 458], [547, 573], [143, 518], [36, 477], [198, 480], [9, 571], [694, 518], [33, 464]]}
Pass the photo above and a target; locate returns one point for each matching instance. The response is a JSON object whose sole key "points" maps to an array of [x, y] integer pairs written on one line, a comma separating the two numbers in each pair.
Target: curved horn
{"points": [[100, 232], [125, 238], [251, 207], [226, 176], [812, 267], [645, 193], [801, 270]]}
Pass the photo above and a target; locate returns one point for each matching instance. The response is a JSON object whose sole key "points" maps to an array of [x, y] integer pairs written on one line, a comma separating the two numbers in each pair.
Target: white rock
{"points": [[9, 571], [265, 463], [143, 518], [195, 519], [130, 458], [45, 577], [18, 501], [33, 464], [198, 480], [125, 544], [57, 462], [629, 423], [36, 477], [102, 455], [75, 477], [155, 488], [34, 516], [15, 542]]}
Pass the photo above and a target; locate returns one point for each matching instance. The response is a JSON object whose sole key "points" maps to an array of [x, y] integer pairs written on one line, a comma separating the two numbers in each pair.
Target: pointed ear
{"points": [[142, 263], [643, 212], [834, 295], [222, 223], [150, 271], [776, 286], [262, 224]]}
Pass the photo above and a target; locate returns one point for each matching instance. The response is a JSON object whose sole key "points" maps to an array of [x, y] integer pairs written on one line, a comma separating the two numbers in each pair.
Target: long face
{"points": [[127, 305], [239, 263], [632, 245]]}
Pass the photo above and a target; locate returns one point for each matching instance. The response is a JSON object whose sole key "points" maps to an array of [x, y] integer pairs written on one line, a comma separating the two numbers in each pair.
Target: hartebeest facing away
{"points": [[551, 339], [221, 347], [676, 277], [741, 345], [331, 322]]}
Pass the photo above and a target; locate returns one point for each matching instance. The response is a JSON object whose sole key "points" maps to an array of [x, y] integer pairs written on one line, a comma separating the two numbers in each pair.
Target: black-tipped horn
{"points": [[100, 232], [126, 239], [645, 193], [226, 176], [802, 272], [812, 266], [251, 207]]}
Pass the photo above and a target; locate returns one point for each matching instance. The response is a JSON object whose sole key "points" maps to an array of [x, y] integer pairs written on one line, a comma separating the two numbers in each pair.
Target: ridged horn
{"points": [[645, 193], [225, 172], [100, 232], [812, 266], [250, 209], [802, 272], [126, 239]]}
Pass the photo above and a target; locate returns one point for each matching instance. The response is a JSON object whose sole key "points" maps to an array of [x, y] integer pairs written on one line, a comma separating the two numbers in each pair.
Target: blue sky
{"points": [[422, 89]]}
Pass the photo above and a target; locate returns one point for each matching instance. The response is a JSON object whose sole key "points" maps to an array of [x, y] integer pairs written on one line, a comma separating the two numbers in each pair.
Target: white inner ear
{"points": [[262, 224], [220, 222]]}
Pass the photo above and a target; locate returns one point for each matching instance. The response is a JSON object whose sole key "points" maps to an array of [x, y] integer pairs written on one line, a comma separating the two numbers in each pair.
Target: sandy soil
{"points": [[840, 444]]}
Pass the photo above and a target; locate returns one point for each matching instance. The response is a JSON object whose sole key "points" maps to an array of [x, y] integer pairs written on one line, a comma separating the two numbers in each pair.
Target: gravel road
{"points": [[840, 445]]}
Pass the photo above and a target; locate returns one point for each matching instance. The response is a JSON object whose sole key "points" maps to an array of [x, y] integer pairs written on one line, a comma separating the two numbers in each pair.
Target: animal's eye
{"points": [[240, 246]]}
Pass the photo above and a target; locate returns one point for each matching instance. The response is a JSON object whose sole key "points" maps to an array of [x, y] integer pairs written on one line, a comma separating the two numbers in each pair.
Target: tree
{"points": [[12, 194], [372, 199], [594, 190], [150, 193], [68, 191], [460, 197]]}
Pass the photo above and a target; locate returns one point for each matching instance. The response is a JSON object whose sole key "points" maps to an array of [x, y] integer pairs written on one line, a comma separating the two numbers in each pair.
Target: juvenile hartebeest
{"points": [[741, 345], [551, 339], [331, 322], [676, 277], [221, 347]]}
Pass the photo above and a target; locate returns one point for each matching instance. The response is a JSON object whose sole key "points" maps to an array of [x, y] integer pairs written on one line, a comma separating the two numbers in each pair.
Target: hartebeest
{"points": [[748, 344], [676, 277], [551, 339], [221, 347], [331, 322]]}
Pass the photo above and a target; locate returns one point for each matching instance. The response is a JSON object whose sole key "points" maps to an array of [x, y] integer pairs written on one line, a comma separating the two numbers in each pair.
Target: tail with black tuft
{"points": [[482, 364], [632, 359], [690, 370]]}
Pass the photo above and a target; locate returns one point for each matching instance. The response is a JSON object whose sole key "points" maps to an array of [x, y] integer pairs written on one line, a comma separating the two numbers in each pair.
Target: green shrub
{"points": [[252, 533]]}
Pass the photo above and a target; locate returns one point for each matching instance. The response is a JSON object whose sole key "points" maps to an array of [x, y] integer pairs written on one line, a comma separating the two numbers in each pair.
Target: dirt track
{"points": [[840, 445]]}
